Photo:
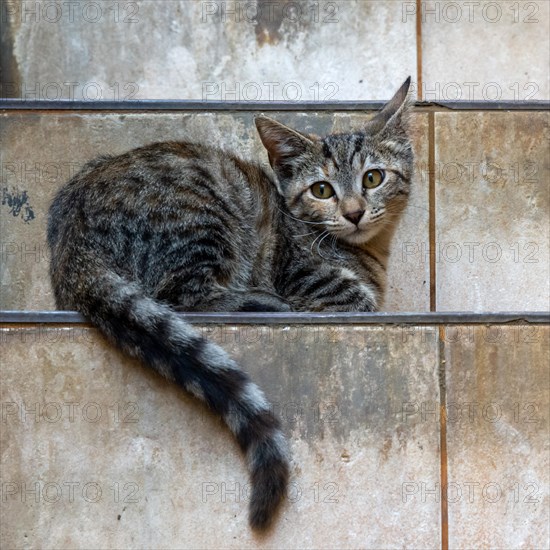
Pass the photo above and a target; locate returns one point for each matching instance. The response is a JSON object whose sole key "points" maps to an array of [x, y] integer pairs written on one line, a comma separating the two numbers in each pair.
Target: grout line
{"points": [[419, 81], [443, 441], [431, 207]]}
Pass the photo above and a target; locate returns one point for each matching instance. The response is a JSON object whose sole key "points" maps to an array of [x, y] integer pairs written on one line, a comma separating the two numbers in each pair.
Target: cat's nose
{"points": [[354, 217]]}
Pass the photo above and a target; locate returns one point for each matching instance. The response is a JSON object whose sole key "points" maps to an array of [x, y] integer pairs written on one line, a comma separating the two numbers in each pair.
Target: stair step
{"points": [[361, 406], [480, 198]]}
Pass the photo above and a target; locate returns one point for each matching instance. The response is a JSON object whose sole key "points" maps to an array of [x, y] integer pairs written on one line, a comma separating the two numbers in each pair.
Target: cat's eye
{"points": [[322, 190], [373, 178]]}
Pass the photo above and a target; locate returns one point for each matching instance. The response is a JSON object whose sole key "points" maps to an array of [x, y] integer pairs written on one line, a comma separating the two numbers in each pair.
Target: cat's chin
{"points": [[358, 237]]}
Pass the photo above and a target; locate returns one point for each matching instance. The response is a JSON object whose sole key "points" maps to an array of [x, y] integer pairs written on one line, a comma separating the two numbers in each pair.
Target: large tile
{"points": [[484, 50], [498, 403], [41, 151], [492, 210], [210, 49], [78, 419], [409, 280]]}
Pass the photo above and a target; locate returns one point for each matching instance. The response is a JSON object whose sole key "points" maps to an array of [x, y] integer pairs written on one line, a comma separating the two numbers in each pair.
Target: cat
{"points": [[180, 226]]}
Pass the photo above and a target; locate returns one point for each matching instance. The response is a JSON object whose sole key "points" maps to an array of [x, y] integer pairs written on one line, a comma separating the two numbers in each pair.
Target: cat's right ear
{"points": [[283, 144]]}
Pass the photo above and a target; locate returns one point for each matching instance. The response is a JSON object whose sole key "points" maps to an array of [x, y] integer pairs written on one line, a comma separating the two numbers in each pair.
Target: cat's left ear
{"points": [[283, 144], [394, 117]]}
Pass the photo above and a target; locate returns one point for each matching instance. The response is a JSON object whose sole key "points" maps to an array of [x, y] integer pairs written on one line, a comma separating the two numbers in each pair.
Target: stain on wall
{"points": [[17, 204], [9, 70]]}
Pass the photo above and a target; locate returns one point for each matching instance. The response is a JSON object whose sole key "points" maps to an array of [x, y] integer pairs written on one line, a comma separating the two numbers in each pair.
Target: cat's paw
{"points": [[264, 302]]}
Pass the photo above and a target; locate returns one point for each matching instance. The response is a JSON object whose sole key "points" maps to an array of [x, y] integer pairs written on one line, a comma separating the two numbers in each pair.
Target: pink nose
{"points": [[354, 217]]}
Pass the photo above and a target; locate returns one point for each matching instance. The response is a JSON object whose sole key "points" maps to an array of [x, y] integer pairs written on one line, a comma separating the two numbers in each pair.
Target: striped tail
{"points": [[152, 332]]}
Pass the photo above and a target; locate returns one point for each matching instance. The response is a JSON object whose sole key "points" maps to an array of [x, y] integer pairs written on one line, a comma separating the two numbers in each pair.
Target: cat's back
{"points": [[138, 208], [167, 170], [159, 184]]}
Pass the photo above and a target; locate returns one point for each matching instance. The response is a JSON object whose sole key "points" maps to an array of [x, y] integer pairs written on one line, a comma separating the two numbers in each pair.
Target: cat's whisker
{"points": [[409, 205], [319, 245], [298, 219], [333, 248], [384, 223], [315, 240], [397, 213]]}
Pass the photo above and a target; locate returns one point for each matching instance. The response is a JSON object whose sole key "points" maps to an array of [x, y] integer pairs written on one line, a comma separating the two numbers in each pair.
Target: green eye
{"points": [[373, 178], [322, 190]]}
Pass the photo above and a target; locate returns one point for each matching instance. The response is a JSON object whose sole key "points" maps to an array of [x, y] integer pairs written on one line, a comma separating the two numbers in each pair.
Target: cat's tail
{"points": [[154, 333]]}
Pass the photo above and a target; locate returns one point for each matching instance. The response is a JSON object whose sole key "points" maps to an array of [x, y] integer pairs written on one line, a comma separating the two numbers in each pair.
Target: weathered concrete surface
{"points": [[41, 151], [498, 403], [191, 49], [166, 467], [484, 50], [492, 209], [247, 50]]}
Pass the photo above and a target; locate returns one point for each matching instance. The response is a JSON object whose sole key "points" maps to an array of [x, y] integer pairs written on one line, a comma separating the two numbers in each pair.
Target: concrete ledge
{"points": [[146, 105], [429, 318]]}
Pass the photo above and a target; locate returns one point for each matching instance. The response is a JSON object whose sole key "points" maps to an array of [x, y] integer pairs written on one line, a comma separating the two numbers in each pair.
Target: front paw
{"points": [[264, 302]]}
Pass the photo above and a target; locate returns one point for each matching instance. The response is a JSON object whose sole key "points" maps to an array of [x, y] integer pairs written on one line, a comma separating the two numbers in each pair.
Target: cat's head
{"points": [[351, 184]]}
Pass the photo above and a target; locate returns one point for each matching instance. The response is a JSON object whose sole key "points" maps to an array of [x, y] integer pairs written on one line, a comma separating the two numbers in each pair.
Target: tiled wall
{"points": [[497, 395], [474, 237], [364, 413]]}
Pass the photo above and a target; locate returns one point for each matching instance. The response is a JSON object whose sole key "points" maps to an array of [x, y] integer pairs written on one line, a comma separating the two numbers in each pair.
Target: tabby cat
{"points": [[180, 226]]}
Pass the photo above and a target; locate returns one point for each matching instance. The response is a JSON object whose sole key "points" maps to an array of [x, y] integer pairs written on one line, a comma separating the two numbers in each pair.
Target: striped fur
{"points": [[178, 226]]}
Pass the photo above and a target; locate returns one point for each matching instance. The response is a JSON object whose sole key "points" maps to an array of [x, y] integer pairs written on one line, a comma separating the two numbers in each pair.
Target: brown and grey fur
{"points": [[179, 226]]}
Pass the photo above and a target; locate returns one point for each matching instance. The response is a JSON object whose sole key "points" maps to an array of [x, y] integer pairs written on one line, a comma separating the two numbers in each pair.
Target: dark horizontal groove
{"points": [[147, 105], [428, 318]]}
